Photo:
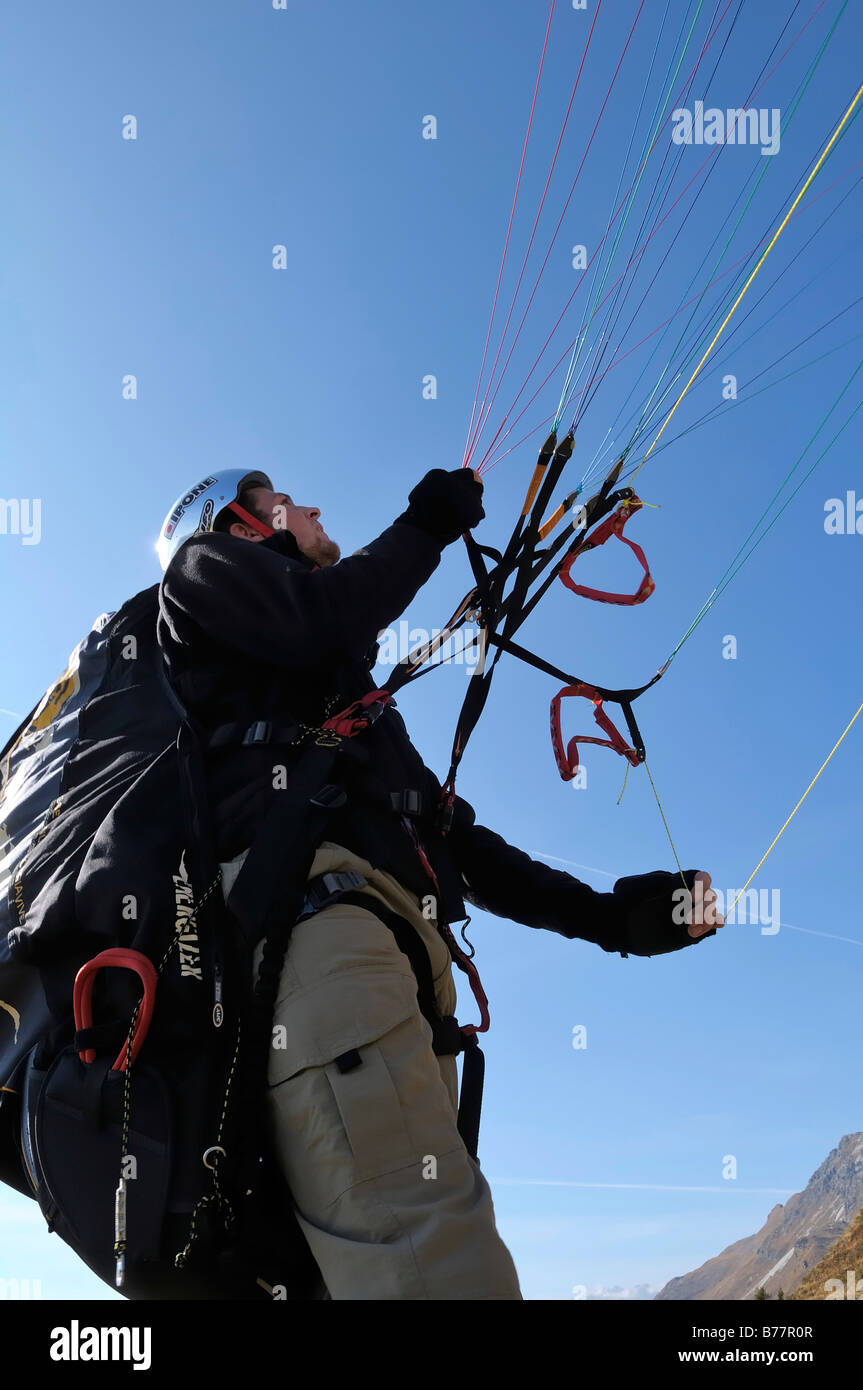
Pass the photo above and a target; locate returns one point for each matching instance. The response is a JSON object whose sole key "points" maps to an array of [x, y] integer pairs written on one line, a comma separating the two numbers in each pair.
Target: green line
{"points": [[718, 318], [633, 191], [731, 571]]}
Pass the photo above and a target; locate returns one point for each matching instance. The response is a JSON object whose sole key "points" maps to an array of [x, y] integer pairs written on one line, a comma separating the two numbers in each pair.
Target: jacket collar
{"points": [[284, 543]]}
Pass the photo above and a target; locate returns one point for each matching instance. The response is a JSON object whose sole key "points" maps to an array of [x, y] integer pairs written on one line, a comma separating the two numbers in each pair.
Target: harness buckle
{"points": [[408, 802], [330, 797], [259, 732], [327, 889]]}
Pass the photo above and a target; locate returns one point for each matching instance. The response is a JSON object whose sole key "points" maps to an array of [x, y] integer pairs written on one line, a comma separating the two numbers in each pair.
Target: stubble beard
{"points": [[324, 552]]}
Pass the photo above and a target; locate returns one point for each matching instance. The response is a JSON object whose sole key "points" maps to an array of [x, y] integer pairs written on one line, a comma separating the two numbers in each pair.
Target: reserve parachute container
{"points": [[130, 1116], [84, 743]]}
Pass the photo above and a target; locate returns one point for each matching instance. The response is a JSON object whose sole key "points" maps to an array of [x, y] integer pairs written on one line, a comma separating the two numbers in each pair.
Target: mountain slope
{"points": [[845, 1255], [794, 1239]]}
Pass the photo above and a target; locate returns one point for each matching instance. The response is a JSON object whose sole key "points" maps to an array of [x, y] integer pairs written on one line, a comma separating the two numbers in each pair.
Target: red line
{"points": [[622, 203], [804, 207], [636, 255], [483, 413], [509, 228]]}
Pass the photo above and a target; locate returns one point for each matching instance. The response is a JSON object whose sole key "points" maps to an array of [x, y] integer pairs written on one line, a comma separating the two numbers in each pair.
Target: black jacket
{"points": [[256, 631]]}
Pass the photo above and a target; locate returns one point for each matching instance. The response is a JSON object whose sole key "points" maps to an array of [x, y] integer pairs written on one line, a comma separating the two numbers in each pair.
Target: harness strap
{"points": [[463, 962], [270, 886], [259, 731]]}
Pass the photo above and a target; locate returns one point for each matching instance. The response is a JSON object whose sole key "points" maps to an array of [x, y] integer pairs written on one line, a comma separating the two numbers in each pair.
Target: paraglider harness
{"points": [[164, 1146], [252, 898]]}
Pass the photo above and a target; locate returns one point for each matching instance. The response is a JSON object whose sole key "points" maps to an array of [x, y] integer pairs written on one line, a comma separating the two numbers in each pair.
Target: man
{"points": [[263, 625]]}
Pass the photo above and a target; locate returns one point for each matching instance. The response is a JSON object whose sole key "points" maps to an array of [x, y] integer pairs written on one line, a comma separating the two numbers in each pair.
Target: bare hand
{"points": [[703, 915]]}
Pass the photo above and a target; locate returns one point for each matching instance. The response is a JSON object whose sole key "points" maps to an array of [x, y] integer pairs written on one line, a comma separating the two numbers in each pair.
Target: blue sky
{"points": [[153, 257]]}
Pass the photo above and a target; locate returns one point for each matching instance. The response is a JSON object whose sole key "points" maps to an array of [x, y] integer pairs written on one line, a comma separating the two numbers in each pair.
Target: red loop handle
{"points": [[612, 526], [82, 998], [567, 762]]}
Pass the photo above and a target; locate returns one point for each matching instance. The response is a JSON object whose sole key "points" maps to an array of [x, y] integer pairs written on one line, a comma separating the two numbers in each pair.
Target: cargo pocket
{"points": [[337, 1117], [371, 1110]]}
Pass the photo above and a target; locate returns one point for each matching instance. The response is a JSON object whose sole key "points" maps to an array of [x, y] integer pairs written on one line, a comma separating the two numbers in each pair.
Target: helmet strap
{"points": [[253, 521]]}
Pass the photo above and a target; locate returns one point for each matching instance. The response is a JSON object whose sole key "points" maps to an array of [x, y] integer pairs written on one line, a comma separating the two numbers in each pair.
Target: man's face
{"points": [[280, 511]]}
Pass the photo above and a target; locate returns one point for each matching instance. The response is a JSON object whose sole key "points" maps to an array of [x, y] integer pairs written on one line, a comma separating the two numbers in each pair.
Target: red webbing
{"points": [[612, 526], [567, 760]]}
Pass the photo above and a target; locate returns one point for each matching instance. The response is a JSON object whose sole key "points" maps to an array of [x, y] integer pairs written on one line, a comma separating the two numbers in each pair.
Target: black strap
{"points": [[470, 1100], [243, 734], [624, 698], [408, 941], [272, 879]]}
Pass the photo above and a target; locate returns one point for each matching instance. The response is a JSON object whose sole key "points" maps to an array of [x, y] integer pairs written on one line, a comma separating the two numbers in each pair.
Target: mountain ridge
{"points": [[794, 1239]]}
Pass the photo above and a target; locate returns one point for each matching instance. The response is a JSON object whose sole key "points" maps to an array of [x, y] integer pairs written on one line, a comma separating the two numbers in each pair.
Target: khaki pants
{"points": [[385, 1192]]}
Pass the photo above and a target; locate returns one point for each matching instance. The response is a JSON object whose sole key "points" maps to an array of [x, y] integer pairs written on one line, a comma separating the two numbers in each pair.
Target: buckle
{"points": [[328, 888], [371, 712], [330, 797], [447, 1038], [259, 732], [342, 882], [408, 802]]}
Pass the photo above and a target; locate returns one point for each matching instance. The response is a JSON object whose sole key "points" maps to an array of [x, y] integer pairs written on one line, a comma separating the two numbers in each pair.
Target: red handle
{"points": [[567, 762], [612, 526], [82, 998]]}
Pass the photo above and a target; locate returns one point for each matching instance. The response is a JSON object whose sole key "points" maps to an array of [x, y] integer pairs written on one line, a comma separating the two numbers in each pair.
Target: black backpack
{"points": [[133, 1040]]}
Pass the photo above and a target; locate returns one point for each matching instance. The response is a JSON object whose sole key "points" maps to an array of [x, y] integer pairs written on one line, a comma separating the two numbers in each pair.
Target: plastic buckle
{"points": [[259, 732], [327, 888], [408, 802], [373, 711], [343, 882], [330, 797]]}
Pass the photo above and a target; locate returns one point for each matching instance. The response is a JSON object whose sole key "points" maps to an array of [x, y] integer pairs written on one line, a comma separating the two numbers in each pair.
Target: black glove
{"points": [[445, 505], [650, 927]]}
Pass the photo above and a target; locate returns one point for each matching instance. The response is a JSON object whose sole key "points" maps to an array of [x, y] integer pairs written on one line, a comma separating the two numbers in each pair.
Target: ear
{"points": [[244, 532]]}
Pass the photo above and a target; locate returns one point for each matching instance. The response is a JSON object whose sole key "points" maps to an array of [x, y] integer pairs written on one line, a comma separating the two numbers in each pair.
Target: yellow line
{"points": [[793, 813], [774, 238]]}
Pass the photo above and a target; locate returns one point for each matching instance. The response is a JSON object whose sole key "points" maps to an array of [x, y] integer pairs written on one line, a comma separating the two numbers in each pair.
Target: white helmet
{"points": [[197, 509]]}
